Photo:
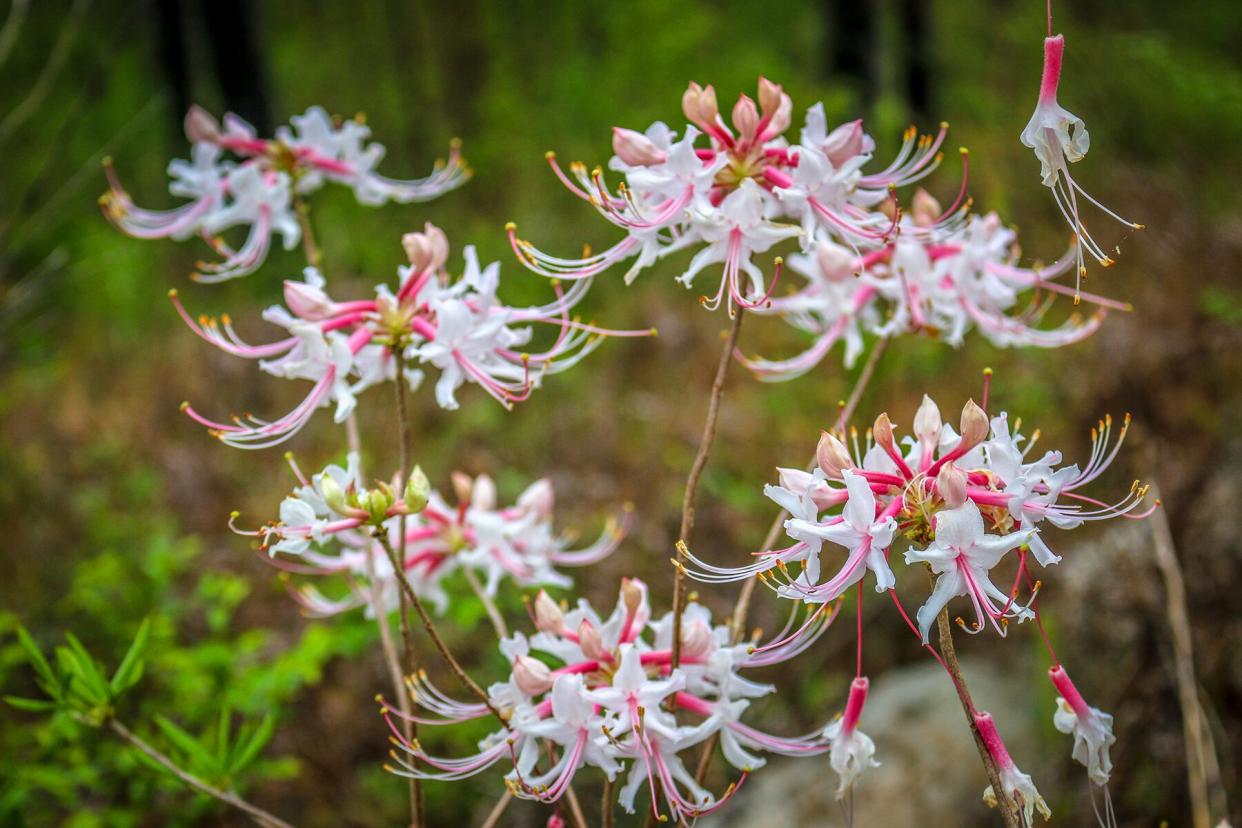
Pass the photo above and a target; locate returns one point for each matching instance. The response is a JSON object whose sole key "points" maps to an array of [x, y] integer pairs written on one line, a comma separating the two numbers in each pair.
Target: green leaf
{"points": [[75, 678], [186, 743], [256, 743], [42, 669], [88, 669], [31, 705], [130, 671], [223, 723]]}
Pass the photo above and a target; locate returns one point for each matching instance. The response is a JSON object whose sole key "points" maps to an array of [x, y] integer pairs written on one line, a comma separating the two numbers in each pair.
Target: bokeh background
{"points": [[114, 505]]}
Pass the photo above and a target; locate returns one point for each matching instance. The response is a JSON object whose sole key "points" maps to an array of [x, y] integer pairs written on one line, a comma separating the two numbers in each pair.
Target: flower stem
{"points": [[398, 562], [1004, 802], [493, 613], [256, 813], [575, 808], [692, 482], [742, 608], [607, 804], [498, 810], [434, 634], [314, 256]]}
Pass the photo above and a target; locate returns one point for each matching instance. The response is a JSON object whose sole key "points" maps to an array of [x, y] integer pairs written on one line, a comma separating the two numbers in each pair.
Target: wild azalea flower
{"points": [[732, 192], [1092, 729], [235, 178], [457, 326], [1059, 138], [1017, 784], [965, 501], [326, 528], [588, 691]]}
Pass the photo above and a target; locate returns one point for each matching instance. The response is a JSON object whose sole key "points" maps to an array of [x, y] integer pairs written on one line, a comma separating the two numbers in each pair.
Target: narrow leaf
{"points": [[31, 705], [256, 743], [185, 743], [130, 671], [41, 667]]}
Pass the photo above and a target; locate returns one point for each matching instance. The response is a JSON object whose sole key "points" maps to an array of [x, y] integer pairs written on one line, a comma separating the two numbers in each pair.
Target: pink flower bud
{"points": [[307, 301], [555, 821], [696, 640], [699, 106], [201, 126], [844, 142], [538, 498], [927, 422], [427, 250], [951, 484], [780, 119], [531, 676], [975, 425], [484, 494], [590, 642], [924, 208], [635, 149], [770, 95], [632, 594], [462, 486], [882, 431], [833, 456], [746, 117], [548, 615], [835, 262]]}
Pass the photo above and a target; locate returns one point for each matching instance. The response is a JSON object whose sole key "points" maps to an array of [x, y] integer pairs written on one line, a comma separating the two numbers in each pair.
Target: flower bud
{"points": [[201, 126], [308, 301], [835, 262], [882, 431], [417, 490], [548, 615], [745, 117], [484, 496], [833, 456], [924, 208], [770, 95], [462, 485], [531, 675], [635, 149], [974, 425], [333, 494], [632, 594], [844, 142], [927, 422], [538, 498], [590, 641], [427, 250], [699, 106], [951, 484], [696, 640], [555, 821], [780, 119], [376, 502]]}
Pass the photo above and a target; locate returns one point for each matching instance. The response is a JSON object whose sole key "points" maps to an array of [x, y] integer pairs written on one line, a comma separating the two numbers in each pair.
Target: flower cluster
{"points": [[235, 178], [332, 525], [734, 193], [940, 284], [602, 693], [457, 326]]}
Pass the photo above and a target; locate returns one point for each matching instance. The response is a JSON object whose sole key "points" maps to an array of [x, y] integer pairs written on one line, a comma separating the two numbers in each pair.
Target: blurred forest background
{"points": [[114, 505]]}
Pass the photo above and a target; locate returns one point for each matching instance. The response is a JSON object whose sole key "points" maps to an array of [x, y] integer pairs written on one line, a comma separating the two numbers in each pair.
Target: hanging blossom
{"points": [[940, 282], [592, 692], [1059, 138], [329, 526], [1018, 785], [458, 327], [965, 502], [731, 193], [236, 179]]}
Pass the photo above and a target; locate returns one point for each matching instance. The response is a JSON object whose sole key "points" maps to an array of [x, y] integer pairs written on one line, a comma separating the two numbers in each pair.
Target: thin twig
{"points": [[1198, 740], [742, 608], [1004, 802], [692, 482], [498, 810], [607, 805], [434, 634], [575, 808], [227, 797], [493, 613]]}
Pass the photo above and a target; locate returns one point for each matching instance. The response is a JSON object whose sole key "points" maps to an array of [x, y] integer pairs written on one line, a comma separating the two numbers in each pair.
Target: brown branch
{"points": [[607, 805], [1004, 802], [575, 808], [498, 810], [1198, 740], [692, 482], [227, 797]]}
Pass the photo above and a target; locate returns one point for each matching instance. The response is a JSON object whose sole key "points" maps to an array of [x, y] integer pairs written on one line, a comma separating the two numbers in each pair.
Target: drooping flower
{"points": [[1059, 138], [1017, 784], [459, 327], [235, 178], [1092, 729], [852, 750]]}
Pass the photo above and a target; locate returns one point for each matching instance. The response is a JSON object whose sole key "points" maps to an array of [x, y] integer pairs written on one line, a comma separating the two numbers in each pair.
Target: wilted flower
{"points": [[459, 327], [1017, 784], [235, 178]]}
